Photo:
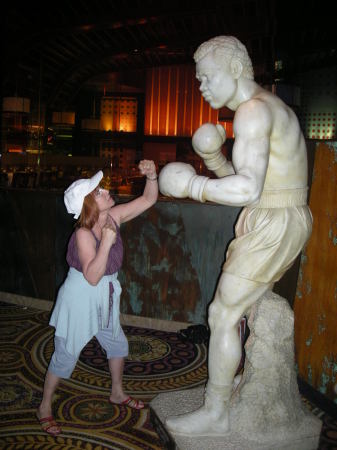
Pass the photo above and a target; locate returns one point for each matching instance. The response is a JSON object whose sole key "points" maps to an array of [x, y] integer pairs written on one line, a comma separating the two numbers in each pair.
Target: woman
{"points": [[88, 301]]}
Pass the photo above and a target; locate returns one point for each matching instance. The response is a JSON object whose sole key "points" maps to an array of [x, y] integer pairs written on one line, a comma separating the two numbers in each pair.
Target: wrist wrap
{"points": [[215, 162], [196, 187]]}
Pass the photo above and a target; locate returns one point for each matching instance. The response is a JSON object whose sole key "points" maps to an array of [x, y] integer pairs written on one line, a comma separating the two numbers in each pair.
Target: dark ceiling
{"points": [[53, 49]]}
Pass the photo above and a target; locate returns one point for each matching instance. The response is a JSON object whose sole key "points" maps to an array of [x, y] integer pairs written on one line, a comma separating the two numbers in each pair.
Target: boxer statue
{"points": [[268, 177]]}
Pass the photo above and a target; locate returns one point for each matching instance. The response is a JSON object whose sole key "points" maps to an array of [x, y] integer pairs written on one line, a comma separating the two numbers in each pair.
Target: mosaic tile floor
{"points": [[159, 361]]}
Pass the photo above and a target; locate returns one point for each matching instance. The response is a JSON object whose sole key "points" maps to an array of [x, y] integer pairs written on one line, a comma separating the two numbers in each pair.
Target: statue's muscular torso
{"points": [[287, 165]]}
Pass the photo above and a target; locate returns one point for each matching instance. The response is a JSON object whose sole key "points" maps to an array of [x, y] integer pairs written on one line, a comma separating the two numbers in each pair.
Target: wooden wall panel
{"points": [[174, 105], [163, 86], [148, 102], [315, 304], [196, 103], [206, 115], [184, 113]]}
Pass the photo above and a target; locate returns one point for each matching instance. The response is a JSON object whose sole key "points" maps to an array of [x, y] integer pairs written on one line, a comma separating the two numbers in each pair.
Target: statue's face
{"points": [[217, 84]]}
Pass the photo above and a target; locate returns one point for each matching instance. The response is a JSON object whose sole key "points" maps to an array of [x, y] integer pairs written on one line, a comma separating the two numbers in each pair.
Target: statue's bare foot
{"points": [[202, 422]]}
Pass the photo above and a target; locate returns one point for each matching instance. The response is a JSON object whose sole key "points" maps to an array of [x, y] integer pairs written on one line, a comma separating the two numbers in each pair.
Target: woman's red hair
{"points": [[90, 212]]}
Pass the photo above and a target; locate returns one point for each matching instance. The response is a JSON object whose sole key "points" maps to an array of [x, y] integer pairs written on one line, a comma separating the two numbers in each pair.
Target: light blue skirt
{"points": [[81, 309]]}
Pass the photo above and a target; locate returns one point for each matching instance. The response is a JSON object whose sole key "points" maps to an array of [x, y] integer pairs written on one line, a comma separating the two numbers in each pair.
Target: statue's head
{"points": [[224, 49]]}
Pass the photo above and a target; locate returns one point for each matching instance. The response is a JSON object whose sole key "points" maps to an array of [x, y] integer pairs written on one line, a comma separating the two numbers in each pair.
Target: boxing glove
{"points": [[207, 142], [179, 180]]}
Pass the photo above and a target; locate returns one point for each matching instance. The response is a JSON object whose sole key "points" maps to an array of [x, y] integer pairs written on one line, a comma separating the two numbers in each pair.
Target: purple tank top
{"points": [[115, 257]]}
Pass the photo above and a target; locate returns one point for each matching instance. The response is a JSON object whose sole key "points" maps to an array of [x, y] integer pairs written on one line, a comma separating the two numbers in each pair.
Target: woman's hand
{"points": [[109, 234], [148, 168], [129, 210]]}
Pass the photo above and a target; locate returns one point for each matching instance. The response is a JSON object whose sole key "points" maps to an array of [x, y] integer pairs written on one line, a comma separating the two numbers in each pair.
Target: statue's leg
{"points": [[234, 296]]}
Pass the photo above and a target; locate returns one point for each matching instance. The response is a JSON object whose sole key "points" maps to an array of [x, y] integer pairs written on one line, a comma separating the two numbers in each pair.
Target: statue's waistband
{"points": [[282, 198]]}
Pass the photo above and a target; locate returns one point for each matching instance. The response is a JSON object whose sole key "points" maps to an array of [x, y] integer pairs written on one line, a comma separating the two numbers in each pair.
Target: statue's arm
{"points": [[252, 128]]}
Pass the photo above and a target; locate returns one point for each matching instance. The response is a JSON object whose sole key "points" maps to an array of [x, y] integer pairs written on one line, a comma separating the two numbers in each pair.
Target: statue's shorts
{"points": [[268, 239]]}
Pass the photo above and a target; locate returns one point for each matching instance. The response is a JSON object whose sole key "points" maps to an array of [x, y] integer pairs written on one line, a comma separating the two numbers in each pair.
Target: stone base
{"points": [[265, 410], [305, 437]]}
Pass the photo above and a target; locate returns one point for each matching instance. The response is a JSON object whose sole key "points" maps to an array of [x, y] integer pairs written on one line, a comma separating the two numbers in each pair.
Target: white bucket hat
{"points": [[74, 195]]}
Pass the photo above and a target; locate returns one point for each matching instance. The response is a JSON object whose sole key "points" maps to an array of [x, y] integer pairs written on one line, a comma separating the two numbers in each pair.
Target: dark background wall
{"points": [[172, 260]]}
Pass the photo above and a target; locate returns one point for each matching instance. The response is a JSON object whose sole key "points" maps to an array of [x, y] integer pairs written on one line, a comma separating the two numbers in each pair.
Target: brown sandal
{"points": [[131, 403], [47, 423]]}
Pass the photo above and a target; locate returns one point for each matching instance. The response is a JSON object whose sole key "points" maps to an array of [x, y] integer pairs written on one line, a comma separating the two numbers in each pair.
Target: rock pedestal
{"points": [[265, 411]]}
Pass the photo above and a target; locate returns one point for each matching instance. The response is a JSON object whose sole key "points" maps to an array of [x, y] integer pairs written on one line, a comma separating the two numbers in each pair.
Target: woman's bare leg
{"points": [[45, 409]]}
